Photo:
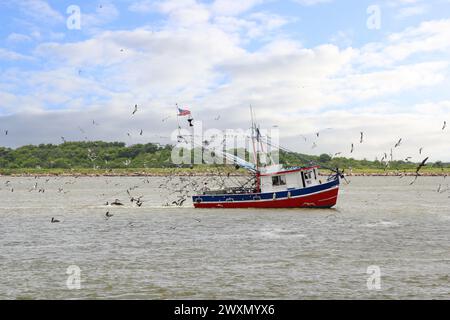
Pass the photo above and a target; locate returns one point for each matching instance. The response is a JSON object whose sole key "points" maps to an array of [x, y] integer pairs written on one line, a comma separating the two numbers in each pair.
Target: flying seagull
{"points": [[445, 125], [54, 220], [422, 164], [398, 143], [135, 109], [362, 137]]}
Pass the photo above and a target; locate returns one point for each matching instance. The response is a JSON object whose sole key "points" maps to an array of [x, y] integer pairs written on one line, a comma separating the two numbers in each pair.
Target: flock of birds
{"points": [[385, 158], [174, 188], [177, 189]]}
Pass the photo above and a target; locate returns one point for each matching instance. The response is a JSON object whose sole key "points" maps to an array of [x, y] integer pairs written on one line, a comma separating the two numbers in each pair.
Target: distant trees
{"points": [[324, 158], [110, 155], [97, 154], [438, 164]]}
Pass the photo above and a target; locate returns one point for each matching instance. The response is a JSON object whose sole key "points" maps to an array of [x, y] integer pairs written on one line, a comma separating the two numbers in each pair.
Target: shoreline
{"points": [[203, 174]]}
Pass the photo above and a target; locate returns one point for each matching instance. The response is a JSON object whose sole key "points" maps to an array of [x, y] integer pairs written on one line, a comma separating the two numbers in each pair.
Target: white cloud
{"points": [[216, 8], [343, 38], [40, 11], [257, 25], [311, 2], [395, 3], [232, 7], [143, 6], [104, 14], [12, 56], [428, 37], [17, 37], [202, 62], [412, 11]]}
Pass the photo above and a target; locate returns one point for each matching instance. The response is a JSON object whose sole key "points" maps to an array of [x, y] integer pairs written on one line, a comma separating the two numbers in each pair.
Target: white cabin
{"points": [[281, 180]]}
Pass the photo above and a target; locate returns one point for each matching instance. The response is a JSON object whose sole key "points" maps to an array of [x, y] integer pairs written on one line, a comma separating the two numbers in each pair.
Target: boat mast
{"points": [[255, 150], [178, 121]]}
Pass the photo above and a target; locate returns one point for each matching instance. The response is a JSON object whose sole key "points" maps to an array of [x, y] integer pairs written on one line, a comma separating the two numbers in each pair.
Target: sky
{"points": [[75, 69]]}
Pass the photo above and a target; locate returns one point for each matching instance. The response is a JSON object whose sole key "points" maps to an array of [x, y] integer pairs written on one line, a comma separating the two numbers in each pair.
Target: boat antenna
{"points": [[255, 151]]}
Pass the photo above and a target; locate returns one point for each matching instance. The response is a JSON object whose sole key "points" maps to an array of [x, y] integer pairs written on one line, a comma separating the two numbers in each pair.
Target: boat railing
{"points": [[229, 191]]}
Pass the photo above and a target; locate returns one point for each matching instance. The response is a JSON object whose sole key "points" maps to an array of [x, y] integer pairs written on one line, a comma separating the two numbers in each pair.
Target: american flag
{"points": [[183, 112]]}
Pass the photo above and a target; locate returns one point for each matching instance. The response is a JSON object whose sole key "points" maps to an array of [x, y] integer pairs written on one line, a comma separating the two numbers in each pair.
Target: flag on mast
{"points": [[183, 112]]}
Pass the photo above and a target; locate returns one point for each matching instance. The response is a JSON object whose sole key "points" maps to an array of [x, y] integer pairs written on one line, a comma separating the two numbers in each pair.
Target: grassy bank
{"points": [[400, 172], [80, 158], [200, 171]]}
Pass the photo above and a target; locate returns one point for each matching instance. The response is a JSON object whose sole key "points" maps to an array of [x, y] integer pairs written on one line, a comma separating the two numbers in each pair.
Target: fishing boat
{"points": [[274, 186], [299, 187]]}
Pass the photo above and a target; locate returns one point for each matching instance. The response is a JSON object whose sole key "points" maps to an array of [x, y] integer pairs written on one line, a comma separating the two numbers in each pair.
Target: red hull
{"points": [[325, 199]]}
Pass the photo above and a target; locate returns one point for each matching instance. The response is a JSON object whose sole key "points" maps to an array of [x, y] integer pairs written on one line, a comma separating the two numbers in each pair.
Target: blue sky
{"points": [[304, 64]]}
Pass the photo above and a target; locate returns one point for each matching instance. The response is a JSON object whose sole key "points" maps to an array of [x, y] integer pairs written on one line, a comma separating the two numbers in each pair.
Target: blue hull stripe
{"points": [[267, 195]]}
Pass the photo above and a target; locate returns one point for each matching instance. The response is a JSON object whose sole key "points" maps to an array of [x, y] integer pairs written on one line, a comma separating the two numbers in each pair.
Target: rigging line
{"points": [[310, 162], [255, 152], [292, 152], [234, 159]]}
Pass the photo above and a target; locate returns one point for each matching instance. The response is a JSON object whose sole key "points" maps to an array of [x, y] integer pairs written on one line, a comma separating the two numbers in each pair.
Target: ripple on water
{"points": [[158, 252]]}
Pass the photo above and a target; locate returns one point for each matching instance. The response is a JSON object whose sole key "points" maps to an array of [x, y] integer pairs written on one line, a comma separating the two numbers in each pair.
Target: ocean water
{"points": [[167, 252]]}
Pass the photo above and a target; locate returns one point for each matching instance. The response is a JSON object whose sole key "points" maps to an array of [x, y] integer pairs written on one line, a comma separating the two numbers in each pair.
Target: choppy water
{"points": [[156, 252]]}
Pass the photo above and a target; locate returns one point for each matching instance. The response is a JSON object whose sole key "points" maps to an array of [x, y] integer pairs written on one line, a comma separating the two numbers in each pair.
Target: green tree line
{"points": [[110, 155]]}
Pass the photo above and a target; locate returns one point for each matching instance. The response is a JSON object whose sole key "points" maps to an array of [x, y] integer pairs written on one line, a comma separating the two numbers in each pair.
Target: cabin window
{"points": [[307, 178], [308, 175], [303, 179], [279, 180]]}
